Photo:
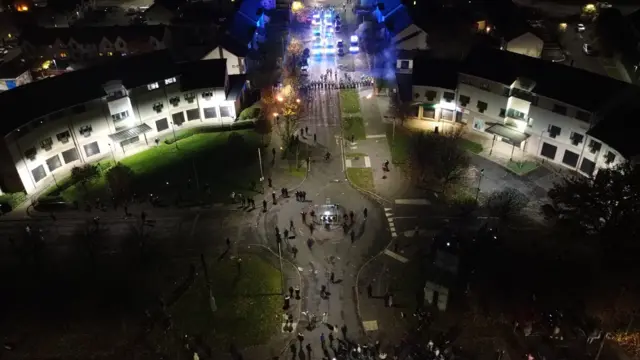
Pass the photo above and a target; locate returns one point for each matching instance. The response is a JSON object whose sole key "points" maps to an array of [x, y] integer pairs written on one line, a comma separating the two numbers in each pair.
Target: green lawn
{"points": [[166, 169], [399, 144], [349, 101], [248, 300], [472, 146], [522, 167], [362, 178], [354, 126]]}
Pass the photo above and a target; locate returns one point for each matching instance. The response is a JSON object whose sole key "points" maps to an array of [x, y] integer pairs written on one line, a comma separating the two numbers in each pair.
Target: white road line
{"points": [[398, 257], [387, 209], [412, 202], [367, 161], [394, 234], [376, 136], [348, 163], [393, 228]]}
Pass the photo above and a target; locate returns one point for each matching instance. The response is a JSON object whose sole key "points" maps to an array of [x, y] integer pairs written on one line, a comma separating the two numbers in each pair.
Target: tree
{"points": [[120, 180], [84, 174], [438, 157], [506, 203], [397, 108], [294, 50], [607, 205]]}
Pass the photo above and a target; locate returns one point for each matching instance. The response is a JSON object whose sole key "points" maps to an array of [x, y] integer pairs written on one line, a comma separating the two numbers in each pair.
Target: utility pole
{"points": [[479, 181], [393, 132], [280, 258], [195, 172], [212, 300]]}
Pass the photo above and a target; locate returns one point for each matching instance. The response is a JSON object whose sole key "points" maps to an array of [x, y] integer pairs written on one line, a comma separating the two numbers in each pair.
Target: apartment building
{"points": [[112, 110], [553, 112]]}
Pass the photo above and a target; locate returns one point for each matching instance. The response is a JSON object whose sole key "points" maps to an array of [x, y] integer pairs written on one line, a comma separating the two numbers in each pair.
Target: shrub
{"points": [[252, 112], [13, 199]]}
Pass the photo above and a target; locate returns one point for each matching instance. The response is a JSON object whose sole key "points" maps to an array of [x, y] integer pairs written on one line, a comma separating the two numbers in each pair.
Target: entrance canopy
{"points": [[514, 136], [130, 133]]}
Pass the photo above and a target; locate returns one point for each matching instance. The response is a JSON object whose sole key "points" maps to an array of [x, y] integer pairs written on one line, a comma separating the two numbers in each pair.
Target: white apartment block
{"points": [[109, 111], [549, 111]]}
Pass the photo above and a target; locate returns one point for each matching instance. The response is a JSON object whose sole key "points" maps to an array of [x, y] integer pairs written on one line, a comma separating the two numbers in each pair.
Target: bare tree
{"points": [[398, 109], [507, 203]]}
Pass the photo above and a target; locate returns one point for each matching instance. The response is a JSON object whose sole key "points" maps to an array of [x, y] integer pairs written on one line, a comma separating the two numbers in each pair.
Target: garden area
{"points": [[349, 102], [522, 167], [362, 178], [184, 169], [354, 128]]}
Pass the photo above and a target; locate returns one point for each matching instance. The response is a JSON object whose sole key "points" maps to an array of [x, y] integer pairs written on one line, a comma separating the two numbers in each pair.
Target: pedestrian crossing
{"points": [[392, 227]]}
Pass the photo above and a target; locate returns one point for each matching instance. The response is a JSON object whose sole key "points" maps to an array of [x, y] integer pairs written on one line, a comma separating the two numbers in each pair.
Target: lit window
{"points": [[101, 54], [153, 86], [109, 53], [63, 54], [169, 81]]}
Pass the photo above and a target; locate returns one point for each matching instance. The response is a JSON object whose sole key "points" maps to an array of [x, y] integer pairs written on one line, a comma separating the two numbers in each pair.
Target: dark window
{"points": [[175, 101], [225, 111], [53, 163], [133, 140], [31, 153], [609, 158], [70, 155], [554, 131], [46, 144], [430, 95], [162, 125], [464, 100], [449, 96], [570, 158], [404, 64], [559, 109], [190, 97], [207, 94], [413, 110], [502, 113], [587, 166], [157, 107], [178, 118], [210, 113], [416, 95], [548, 151], [594, 146], [63, 137], [193, 114], [39, 173], [92, 149], [576, 139], [583, 115], [79, 109], [86, 130], [482, 106]]}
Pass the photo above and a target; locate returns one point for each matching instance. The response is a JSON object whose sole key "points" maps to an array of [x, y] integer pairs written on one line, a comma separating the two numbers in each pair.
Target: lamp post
{"points": [[173, 129], [113, 155], [261, 171], [479, 181]]}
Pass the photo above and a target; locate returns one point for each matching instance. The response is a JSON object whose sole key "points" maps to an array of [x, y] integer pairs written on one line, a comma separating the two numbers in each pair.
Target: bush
{"points": [[252, 112], [13, 199]]}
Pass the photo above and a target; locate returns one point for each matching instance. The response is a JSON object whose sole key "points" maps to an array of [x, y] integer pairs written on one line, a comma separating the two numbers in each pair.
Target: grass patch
{"points": [[472, 146], [349, 101], [354, 126], [522, 167], [248, 300], [361, 177], [399, 144], [252, 112], [299, 172], [355, 155], [13, 199]]}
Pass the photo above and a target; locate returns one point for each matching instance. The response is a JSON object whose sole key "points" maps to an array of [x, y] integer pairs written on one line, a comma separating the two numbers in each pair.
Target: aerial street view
{"points": [[276, 179]]}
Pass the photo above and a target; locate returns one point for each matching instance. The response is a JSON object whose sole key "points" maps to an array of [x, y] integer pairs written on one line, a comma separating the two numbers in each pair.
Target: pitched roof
{"points": [[440, 73], [77, 87], [201, 74], [91, 34], [242, 28], [387, 6], [233, 46], [398, 20], [570, 85]]}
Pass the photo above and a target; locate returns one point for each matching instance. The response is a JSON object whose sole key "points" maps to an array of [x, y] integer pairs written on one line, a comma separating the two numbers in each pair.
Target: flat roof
{"points": [[37, 99], [567, 84], [440, 73]]}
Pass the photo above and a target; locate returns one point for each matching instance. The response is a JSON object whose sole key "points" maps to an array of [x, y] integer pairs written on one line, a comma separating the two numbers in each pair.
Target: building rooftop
{"points": [[242, 28], [441, 73], [251, 9], [77, 87], [570, 85], [398, 20], [13, 66], [90, 34], [233, 46]]}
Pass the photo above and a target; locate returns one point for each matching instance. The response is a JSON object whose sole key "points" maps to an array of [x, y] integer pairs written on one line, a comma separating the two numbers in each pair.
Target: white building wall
{"points": [[526, 44], [494, 103], [235, 65]]}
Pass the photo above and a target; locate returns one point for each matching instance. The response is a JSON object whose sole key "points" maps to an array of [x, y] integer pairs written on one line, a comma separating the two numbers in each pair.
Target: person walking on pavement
{"points": [[315, 139], [370, 291], [333, 278], [273, 152], [286, 233], [300, 337], [297, 290], [353, 236], [228, 243], [292, 228], [322, 340], [273, 196], [291, 291], [264, 205], [366, 212], [310, 242], [294, 250]]}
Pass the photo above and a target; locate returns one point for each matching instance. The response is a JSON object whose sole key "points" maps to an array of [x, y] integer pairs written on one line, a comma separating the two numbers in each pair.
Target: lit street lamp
{"points": [[479, 181]]}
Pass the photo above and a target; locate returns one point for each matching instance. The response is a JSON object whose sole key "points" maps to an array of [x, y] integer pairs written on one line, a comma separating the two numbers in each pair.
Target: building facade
{"points": [[532, 107], [115, 114]]}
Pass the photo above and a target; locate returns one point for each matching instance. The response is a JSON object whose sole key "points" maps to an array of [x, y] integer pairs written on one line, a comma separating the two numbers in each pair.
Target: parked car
{"points": [[340, 51], [580, 28], [337, 28], [589, 49]]}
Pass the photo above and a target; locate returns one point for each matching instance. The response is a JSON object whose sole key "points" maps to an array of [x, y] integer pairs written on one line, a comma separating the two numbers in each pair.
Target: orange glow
{"points": [[279, 98], [22, 8]]}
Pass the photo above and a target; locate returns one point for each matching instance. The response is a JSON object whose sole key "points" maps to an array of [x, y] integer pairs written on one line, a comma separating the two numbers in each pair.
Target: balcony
{"points": [[524, 95], [515, 114]]}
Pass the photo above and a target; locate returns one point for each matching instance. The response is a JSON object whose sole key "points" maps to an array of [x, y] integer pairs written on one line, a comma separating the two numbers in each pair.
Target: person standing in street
{"points": [[333, 278], [370, 291], [294, 250]]}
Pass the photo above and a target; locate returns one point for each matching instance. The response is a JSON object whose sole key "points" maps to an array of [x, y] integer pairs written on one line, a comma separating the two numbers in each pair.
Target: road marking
{"points": [[392, 227], [367, 161], [348, 163], [387, 209], [398, 257], [394, 234], [353, 147], [376, 136], [412, 202], [371, 325]]}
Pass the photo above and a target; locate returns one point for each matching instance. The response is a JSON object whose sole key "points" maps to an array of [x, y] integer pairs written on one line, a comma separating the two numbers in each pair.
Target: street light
{"points": [[479, 181], [298, 101], [173, 128], [275, 114], [280, 98]]}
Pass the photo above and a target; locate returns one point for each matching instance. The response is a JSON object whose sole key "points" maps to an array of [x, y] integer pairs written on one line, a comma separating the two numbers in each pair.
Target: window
{"points": [[190, 97], [594, 146], [502, 113], [207, 94], [210, 113], [162, 125], [431, 95], [39, 173], [530, 122], [46, 144], [178, 118], [548, 151], [79, 109], [193, 114], [449, 96], [85, 130], [554, 131], [110, 53], [117, 94], [53, 163], [157, 107], [609, 158], [559, 109], [583, 115], [169, 81], [92, 149], [570, 158], [70, 155], [175, 101], [120, 116], [153, 86], [404, 64], [482, 106], [225, 111], [63, 137], [31, 153], [464, 100], [587, 166], [576, 139]]}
